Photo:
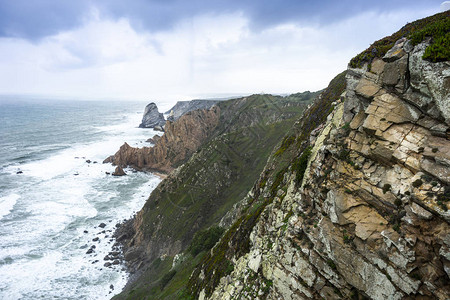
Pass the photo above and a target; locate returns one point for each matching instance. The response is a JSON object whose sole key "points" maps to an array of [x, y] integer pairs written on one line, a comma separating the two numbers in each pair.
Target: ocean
{"points": [[52, 199]]}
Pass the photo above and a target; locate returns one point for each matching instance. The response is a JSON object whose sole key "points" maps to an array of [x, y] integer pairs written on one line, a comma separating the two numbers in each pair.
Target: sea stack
{"points": [[152, 117]]}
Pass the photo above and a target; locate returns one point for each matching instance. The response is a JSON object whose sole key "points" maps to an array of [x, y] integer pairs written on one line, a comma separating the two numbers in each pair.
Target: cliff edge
{"points": [[357, 207]]}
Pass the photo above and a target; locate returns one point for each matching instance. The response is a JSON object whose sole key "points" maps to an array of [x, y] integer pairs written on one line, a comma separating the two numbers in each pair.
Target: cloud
{"points": [[445, 5], [36, 19], [208, 54]]}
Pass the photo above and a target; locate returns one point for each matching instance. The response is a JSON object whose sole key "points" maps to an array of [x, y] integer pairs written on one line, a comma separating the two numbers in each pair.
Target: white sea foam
{"points": [[7, 204], [43, 252]]}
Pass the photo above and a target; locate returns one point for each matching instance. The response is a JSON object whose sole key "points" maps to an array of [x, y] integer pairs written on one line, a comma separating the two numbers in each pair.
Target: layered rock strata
{"points": [[180, 140], [370, 217]]}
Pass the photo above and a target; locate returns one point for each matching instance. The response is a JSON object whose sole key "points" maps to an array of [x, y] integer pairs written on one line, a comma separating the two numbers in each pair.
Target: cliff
{"points": [[352, 203], [356, 208], [152, 117], [179, 141], [183, 107], [200, 192]]}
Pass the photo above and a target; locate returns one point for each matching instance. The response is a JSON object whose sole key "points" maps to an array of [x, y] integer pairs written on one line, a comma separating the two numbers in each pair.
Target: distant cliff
{"points": [[152, 117], [183, 107], [180, 140]]}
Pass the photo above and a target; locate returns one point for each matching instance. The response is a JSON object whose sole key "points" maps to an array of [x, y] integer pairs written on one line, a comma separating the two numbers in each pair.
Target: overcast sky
{"points": [[169, 50]]}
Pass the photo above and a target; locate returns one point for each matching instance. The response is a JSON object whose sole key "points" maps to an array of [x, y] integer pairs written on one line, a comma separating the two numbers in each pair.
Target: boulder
{"points": [[152, 117], [119, 171]]}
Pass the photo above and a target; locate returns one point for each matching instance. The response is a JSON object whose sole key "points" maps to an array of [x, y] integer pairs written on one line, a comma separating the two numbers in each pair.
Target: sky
{"points": [[169, 50]]}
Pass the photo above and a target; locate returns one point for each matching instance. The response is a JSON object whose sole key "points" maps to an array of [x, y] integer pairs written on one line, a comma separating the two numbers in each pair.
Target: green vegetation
{"points": [[166, 278], [439, 32], [434, 26], [417, 183], [205, 239], [236, 241], [396, 227], [219, 174], [267, 286], [386, 188], [300, 164], [347, 239], [331, 264], [287, 141]]}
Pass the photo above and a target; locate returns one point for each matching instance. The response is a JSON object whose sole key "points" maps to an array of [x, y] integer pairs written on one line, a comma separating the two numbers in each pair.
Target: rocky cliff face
{"points": [[197, 194], [361, 209], [152, 117], [180, 140], [183, 107]]}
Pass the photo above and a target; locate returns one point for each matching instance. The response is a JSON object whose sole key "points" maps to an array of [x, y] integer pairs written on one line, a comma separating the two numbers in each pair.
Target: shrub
{"points": [[300, 164], [287, 141], [417, 183], [205, 240], [331, 264], [436, 26], [386, 187], [166, 278], [439, 49]]}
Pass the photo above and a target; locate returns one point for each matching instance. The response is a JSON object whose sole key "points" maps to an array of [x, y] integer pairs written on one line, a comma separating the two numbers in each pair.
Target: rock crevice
{"points": [[371, 216]]}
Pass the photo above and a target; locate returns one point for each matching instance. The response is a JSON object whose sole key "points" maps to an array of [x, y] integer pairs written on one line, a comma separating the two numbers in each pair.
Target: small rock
{"points": [[90, 251], [119, 172], [95, 261], [85, 231], [107, 257], [19, 172], [116, 262], [102, 225], [95, 239], [107, 173], [111, 286], [84, 246], [88, 161], [107, 264]]}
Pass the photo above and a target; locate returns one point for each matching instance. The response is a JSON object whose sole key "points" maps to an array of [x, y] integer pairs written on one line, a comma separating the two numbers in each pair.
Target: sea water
{"points": [[52, 200]]}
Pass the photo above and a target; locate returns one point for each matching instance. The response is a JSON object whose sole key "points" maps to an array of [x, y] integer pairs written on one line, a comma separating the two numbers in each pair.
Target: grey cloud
{"points": [[39, 18]]}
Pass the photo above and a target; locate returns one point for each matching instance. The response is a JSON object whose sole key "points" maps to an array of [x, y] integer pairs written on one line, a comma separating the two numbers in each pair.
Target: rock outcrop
{"points": [[200, 191], [180, 140], [119, 172], [367, 214], [152, 117], [351, 204], [183, 107]]}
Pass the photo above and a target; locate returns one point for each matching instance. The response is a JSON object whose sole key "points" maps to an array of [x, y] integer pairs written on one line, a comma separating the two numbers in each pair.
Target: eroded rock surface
{"points": [[180, 140], [152, 117], [370, 218], [183, 107]]}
